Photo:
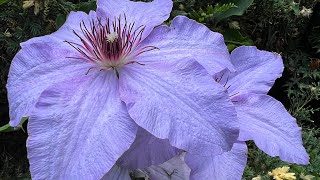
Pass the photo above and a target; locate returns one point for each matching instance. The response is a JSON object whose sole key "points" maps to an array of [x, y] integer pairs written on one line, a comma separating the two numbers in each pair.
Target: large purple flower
{"points": [[108, 80], [262, 118]]}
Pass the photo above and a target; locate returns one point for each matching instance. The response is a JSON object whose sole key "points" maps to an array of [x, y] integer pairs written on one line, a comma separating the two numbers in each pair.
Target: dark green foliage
{"points": [[315, 39], [314, 30], [234, 38], [87, 6], [211, 13], [238, 7], [3, 1], [214, 12], [274, 25], [303, 87]]}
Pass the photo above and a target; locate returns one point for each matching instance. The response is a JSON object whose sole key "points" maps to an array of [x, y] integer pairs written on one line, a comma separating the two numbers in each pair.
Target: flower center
{"points": [[110, 45]]}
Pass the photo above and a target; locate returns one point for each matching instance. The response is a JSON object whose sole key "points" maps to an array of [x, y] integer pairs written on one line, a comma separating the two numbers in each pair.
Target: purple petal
{"points": [[186, 39], [266, 121], [117, 173], [174, 169], [256, 70], [36, 67], [147, 150], [78, 129], [42, 62], [148, 14], [181, 102], [227, 166]]}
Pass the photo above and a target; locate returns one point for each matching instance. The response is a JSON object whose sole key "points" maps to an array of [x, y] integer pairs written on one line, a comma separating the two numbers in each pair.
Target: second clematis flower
{"points": [[262, 118], [108, 80]]}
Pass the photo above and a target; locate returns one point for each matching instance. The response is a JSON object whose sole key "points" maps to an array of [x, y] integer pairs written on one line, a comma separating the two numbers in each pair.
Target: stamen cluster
{"points": [[110, 44]]}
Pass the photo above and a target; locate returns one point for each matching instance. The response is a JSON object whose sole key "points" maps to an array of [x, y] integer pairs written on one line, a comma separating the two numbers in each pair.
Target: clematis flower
{"points": [[108, 80], [262, 118]]}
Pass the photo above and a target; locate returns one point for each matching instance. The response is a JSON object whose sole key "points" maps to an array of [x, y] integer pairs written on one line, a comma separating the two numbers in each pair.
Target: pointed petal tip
{"points": [[265, 120]]}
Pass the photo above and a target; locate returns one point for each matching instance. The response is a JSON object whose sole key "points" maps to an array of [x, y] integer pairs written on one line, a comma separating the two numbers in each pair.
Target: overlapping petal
{"points": [[180, 101], [174, 169], [256, 70], [147, 150], [266, 121], [227, 166], [186, 39], [148, 14], [79, 129], [117, 173], [36, 67]]}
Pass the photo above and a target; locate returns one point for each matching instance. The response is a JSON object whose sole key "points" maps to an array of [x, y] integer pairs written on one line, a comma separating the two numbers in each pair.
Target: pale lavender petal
{"points": [[36, 67], [186, 39], [148, 14], [41, 62], [147, 150], [174, 169], [79, 129], [267, 122], [256, 70], [181, 102], [40, 50], [117, 173], [227, 166]]}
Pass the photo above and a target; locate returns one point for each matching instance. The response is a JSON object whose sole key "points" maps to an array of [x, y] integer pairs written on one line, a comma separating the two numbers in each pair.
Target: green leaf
{"points": [[88, 6], [231, 47], [296, 9], [222, 8], [3, 1], [60, 20], [234, 38], [210, 9], [8, 128], [242, 6]]}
